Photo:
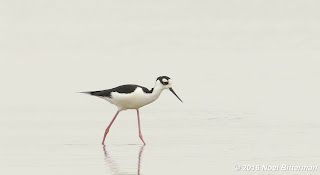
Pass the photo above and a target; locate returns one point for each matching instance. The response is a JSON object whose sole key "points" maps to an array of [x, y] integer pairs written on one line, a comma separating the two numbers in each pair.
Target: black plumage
{"points": [[124, 89]]}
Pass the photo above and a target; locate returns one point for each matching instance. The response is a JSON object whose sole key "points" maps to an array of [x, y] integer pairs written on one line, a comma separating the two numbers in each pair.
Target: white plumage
{"points": [[133, 97]]}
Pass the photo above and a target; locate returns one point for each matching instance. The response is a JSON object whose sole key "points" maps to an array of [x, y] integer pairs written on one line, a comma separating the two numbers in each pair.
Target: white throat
{"points": [[157, 89]]}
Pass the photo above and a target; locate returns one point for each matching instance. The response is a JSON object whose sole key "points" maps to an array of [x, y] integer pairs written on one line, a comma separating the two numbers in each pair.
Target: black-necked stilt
{"points": [[132, 96]]}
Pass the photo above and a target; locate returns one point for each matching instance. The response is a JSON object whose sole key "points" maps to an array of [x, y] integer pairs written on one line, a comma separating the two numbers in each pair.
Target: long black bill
{"points": [[175, 94]]}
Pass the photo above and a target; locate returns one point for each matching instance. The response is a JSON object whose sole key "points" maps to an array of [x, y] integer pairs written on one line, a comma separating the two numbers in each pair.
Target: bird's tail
{"points": [[89, 92]]}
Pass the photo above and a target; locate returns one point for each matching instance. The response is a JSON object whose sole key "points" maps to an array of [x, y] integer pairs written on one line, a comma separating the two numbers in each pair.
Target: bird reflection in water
{"points": [[113, 164]]}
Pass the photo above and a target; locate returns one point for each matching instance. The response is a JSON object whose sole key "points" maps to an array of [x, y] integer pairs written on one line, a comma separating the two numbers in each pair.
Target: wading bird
{"points": [[132, 96]]}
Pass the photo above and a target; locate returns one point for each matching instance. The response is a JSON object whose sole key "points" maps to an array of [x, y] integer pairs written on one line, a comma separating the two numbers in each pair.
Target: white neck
{"points": [[157, 89]]}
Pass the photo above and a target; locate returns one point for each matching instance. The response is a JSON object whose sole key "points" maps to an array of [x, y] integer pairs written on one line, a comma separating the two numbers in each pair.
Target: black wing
{"points": [[124, 89]]}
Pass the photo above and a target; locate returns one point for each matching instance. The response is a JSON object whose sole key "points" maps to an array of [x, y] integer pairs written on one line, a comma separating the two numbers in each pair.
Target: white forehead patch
{"points": [[164, 80]]}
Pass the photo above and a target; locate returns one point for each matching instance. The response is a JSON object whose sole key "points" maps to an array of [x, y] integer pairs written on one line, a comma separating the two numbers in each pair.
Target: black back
{"points": [[124, 89]]}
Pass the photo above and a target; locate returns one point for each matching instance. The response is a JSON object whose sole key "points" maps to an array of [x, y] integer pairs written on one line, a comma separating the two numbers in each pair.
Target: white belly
{"points": [[134, 100]]}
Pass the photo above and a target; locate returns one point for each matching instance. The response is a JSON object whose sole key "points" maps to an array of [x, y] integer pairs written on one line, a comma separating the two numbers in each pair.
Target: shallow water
{"points": [[247, 71], [187, 142]]}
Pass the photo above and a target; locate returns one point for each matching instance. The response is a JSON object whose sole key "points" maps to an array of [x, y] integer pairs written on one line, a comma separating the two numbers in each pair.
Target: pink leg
{"points": [[140, 134], [107, 130]]}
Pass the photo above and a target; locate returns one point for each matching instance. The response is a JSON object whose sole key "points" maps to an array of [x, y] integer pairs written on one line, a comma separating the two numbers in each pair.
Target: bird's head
{"points": [[166, 83]]}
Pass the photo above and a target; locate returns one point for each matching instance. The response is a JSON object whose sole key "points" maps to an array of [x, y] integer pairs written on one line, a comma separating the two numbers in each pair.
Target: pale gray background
{"points": [[248, 72]]}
